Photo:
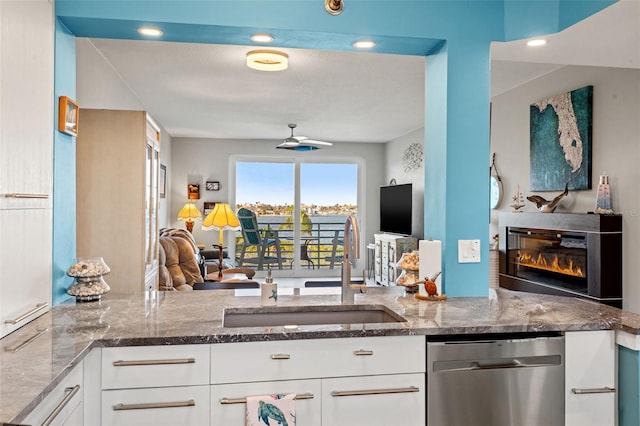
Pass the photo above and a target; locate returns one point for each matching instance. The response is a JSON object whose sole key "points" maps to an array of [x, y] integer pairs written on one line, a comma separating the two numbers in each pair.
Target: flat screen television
{"points": [[395, 209]]}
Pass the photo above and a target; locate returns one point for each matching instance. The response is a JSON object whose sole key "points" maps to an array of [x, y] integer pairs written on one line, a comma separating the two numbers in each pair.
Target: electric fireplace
{"points": [[576, 255]]}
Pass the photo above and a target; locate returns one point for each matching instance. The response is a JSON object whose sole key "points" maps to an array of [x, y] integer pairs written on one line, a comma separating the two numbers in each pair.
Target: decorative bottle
{"points": [[603, 200]]}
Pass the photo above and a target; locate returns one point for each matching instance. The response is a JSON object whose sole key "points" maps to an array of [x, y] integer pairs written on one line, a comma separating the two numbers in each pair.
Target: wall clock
{"points": [[496, 185]]}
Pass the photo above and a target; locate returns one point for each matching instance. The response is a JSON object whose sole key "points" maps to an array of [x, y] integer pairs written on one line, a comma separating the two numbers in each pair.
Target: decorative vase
{"points": [[89, 284]]}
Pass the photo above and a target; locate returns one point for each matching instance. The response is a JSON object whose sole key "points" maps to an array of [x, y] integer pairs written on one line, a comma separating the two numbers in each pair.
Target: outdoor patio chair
{"points": [[262, 240]]}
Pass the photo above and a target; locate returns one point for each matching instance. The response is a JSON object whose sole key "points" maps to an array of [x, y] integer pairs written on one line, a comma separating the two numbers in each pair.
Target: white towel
{"points": [[271, 410]]}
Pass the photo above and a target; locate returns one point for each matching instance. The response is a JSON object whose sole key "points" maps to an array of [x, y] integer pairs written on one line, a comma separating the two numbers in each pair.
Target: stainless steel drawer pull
{"points": [[26, 342], [362, 352], [280, 356], [582, 391], [225, 401], [70, 394], [152, 405], [39, 307], [375, 391], [22, 195], [121, 363]]}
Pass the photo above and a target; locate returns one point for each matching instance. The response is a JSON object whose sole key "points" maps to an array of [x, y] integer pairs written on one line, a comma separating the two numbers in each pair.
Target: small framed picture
{"points": [[162, 181], [68, 115], [208, 207], [193, 192], [213, 186]]}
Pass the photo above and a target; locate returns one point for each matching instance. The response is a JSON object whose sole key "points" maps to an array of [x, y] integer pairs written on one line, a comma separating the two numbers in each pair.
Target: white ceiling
{"points": [[204, 90]]}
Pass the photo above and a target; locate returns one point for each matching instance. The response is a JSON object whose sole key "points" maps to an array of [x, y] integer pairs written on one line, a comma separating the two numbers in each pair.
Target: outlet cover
{"points": [[468, 251]]}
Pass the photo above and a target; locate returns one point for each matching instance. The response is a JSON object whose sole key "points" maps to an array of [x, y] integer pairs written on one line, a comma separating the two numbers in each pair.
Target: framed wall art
{"points": [[208, 207], [162, 181], [68, 115], [193, 192], [560, 141], [213, 186]]}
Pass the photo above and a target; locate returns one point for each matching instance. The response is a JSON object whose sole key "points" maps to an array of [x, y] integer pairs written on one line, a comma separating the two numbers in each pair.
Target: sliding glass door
{"points": [[300, 209]]}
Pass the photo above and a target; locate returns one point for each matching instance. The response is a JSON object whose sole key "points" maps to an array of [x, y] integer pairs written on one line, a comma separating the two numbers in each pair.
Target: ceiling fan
{"points": [[301, 143]]}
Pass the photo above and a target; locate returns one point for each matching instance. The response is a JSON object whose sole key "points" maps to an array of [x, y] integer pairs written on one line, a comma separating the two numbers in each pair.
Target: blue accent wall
{"points": [[628, 387], [64, 167]]}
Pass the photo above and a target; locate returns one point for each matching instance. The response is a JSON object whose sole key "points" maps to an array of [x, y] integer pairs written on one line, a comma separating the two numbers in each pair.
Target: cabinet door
{"points": [[26, 103], [25, 266], [228, 401], [182, 405], [374, 400], [590, 378], [63, 406]]}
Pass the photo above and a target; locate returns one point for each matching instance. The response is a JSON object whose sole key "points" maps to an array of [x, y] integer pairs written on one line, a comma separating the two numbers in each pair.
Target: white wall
{"points": [[616, 150], [98, 86], [196, 160], [403, 165]]}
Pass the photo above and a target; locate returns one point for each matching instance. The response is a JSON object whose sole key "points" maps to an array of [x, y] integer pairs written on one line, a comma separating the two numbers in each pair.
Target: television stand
{"points": [[388, 250]]}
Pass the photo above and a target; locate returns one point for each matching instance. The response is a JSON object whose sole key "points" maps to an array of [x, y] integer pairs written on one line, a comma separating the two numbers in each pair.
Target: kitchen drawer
{"points": [[228, 407], [374, 400], [154, 366], [65, 397], [298, 359], [180, 405]]}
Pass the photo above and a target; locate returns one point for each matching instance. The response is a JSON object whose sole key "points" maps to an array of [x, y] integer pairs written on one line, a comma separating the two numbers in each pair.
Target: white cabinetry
{"points": [[354, 381], [166, 385], [117, 170], [590, 378], [26, 156], [389, 248], [63, 406]]}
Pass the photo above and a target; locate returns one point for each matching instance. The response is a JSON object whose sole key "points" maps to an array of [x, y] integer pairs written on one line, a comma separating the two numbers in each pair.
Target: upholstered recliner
{"points": [[180, 269]]}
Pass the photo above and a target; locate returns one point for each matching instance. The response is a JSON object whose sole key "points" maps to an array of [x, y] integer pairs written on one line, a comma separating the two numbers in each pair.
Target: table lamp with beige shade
{"points": [[221, 219], [189, 213]]}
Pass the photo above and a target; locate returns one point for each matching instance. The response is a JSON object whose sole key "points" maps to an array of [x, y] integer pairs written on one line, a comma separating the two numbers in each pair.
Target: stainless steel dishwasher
{"points": [[496, 382]]}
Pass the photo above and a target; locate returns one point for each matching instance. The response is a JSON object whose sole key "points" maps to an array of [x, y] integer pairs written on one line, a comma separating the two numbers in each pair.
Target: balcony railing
{"points": [[321, 243]]}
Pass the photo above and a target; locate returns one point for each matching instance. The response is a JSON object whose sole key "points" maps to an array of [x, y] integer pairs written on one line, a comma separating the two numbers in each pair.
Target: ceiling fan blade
{"points": [[288, 143], [314, 142]]}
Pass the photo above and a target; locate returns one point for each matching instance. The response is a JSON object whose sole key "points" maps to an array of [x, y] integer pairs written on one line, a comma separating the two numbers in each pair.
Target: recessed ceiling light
{"points": [[364, 44], [536, 42], [262, 38], [267, 60], [148, 31]]}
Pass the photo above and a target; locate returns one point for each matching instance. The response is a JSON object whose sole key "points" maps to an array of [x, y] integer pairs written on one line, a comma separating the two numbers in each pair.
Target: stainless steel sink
{"points": [[308, 315]]}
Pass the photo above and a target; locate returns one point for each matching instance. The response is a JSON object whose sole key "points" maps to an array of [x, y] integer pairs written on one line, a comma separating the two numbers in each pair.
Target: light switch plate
{"points": [[468, 251]]}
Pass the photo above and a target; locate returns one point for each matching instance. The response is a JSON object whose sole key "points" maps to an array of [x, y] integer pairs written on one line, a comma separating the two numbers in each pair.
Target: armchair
{"points": [[262, 240]]}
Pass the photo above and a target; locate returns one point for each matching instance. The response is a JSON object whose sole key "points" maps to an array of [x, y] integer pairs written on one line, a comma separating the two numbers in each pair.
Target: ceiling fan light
{"points": [[364, 44], [536, 42], [267, 60], [150, 31], [298, 147]]}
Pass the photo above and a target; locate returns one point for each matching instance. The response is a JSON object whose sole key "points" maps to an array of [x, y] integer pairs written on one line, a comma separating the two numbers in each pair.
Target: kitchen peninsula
{"points": [[29, 371]]}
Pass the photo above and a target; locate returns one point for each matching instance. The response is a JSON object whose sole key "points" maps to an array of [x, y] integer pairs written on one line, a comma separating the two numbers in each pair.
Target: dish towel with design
{"points": [[271, 410]]}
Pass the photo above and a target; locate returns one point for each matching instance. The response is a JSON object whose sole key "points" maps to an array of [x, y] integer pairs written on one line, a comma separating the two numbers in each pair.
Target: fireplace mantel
{"points": [[565, 254]]}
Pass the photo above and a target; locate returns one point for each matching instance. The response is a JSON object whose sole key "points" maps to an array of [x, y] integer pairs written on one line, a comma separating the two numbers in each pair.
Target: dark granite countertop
{"points": [[157, 318]]}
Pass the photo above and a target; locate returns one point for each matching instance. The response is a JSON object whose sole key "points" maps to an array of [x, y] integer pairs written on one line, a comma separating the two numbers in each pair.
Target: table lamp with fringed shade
{"points": [[188, 213], [221, 219]]}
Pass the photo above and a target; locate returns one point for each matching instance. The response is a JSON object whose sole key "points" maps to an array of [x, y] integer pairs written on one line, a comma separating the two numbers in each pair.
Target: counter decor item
{"points": [[432, 290], [409, 263], [268, 291], [603, 200], [548, 206], [89, 284]]}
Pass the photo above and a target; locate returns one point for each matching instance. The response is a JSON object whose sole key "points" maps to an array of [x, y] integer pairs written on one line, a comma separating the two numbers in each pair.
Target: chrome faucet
{"points": [[348, 288]]}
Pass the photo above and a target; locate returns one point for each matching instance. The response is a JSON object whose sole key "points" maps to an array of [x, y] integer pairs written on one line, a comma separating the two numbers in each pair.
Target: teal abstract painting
{"points": [[560, 150]]}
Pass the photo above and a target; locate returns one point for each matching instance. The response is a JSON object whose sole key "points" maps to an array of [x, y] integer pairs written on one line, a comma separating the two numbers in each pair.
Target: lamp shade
{"points": [[189, 211], [221, 218]]}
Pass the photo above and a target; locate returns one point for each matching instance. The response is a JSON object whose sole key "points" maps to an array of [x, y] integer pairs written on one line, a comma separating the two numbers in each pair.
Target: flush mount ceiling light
{"points": [[267, 60], [262, 38], [364, 44], [333, 7], [536, 42], [148, 31]]}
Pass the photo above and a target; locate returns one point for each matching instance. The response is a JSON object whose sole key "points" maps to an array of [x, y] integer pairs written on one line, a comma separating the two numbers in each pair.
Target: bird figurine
{"points": [[548, 206]]}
